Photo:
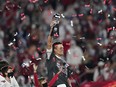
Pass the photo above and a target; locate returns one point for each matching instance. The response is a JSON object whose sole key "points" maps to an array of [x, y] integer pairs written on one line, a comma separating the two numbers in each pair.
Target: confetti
{"points": [[86, 67], [40, 8], [111, 37], [99, 44], [14, 39], [34, 37], [74, 36], [20, 42], [82, 38], [71, 23], [91, 11], [108, 49], [23, 16], [62, 16], [45, 1], [56, 35], [10, 44], [75, 56], [38, 58], [109, 29], [109, 2], [114, 18], [16, 34], [19, 6], [14, 47], [25, 64], [74, 15], [30, 61], [33, 1], [87, 5], [7, 1], [80, 15], [33, 57], [69, 51], [28, 35], [83, 58], [100, 11], [36, 55], [13, 5], [101, 59], [107, 58], [50, 12], [98, 38], [83, 46], [7, 8], [114, 28], [114, 41], [108, 15], [38, 49], [114, 9], [100, 21], [111, 51], [104, 1], [68, 44], [43, 52]]}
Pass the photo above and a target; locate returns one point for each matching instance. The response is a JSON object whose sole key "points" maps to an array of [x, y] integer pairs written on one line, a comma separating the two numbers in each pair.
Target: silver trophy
{"points": [[55, 31]]}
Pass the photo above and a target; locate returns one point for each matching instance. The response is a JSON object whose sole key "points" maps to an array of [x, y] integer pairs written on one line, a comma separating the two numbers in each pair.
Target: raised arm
{"points": [[49, 42], [37, 84]]}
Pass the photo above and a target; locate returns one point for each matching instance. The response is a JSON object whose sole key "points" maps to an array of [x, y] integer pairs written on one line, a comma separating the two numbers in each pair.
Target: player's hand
{"points": [[35, 67], [53, 23], [60, 70]]}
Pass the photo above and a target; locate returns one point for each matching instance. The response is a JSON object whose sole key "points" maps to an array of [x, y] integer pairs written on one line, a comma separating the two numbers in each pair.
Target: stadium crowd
{"points": [[87, 31]]}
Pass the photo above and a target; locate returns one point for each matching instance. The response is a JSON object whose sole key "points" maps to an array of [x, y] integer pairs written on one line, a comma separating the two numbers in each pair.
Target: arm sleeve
{"points": [[2, 84], [51, 83], [14, 82], [37, 84], [48, 51]]}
